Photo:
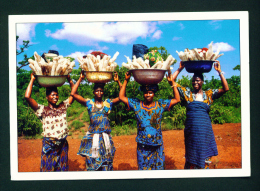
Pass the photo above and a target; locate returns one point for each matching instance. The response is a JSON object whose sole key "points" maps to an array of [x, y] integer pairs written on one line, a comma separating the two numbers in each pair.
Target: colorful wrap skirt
{"points": [[150, 157], [97, 157], [54, 156], [198, 133]]}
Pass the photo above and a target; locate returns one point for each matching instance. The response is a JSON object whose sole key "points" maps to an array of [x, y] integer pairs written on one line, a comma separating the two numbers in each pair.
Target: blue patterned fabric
{"points": [[103, 161], [199, 137], [150, 154], [150, 157], [149, 120], [54, 156], [99, 123]]}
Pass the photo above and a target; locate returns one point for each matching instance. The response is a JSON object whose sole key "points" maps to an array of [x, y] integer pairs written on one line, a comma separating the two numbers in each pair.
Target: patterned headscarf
{"points": [[152, 87]]}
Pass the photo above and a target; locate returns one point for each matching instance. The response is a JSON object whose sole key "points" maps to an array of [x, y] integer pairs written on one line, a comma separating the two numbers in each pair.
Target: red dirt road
{"points": [[228, 138]]}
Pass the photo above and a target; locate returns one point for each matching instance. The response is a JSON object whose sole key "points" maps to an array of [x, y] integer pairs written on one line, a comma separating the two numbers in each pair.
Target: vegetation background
{"points": [[226, 109]]}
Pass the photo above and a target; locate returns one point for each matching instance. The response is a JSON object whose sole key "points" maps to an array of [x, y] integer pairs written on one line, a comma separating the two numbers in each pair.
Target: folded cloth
{"points": [[107, 142], [139, 50], [95, 145]]}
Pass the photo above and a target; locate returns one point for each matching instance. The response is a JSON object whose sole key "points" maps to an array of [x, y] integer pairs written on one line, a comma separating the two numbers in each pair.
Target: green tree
{"points": [[237, 67], [24, 46], [24, 62]]}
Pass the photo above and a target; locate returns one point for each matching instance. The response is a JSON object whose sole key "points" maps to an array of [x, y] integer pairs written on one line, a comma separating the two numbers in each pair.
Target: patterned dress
{"points": [[150, 150], [200, 144], [54, 156], [97, 145]]}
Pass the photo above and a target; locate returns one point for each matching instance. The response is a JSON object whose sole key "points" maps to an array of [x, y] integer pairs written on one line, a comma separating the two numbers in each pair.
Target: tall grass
{"points": [[221, 114], [85, 117], [77, 124], [123, 130]]}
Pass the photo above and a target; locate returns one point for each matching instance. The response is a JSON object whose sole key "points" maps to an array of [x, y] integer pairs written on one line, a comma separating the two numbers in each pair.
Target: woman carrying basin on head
{"points": [[54, 156], [97, 145], [150, 150], [200, 144]]}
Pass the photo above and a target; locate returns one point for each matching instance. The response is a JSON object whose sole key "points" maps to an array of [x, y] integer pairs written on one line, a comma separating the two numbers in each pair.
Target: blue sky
{"points": [[78, 39]]}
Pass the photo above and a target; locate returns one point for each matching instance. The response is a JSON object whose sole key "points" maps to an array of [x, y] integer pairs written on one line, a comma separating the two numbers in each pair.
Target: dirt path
{"points": [[228, 138]]}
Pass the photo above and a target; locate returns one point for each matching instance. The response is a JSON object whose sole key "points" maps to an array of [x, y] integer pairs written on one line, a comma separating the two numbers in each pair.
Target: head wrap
{"points": [[200, 75], [151, 87], [98, 85], [54, 52], [51, 89]]}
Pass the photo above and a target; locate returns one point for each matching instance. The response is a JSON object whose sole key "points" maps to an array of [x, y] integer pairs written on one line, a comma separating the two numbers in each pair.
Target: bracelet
{"points": [[174, 86], [221, 73]]}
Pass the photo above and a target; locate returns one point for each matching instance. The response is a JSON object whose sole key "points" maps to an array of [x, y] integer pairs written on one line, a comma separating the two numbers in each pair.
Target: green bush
{"points": [[28, 122], [123, 130], [220, 114], [77, 124], [226, 109], [85, 117]]}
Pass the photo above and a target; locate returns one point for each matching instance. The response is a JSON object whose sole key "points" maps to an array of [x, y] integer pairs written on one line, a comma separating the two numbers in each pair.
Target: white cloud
{"points": [[176, 38], [216, 24], [157, 34], [113, 32], [165, 22], [222, 47], [54, 47], [47, 32], [25, 32], [80, 54], [182, 26], [99, 48]]}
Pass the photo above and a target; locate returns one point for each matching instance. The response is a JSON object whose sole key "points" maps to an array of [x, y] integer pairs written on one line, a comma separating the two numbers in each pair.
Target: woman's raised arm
{"points": [[122, 94], [71, 99], [116, 79], [176, 94], [223, 79], [33, 104], [176, 73], [73, 93]]}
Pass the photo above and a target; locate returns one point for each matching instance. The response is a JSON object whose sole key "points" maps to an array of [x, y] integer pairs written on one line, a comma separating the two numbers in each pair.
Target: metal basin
{"points": [[98, 77], [201, 66], [51, 81], [148, 76]]}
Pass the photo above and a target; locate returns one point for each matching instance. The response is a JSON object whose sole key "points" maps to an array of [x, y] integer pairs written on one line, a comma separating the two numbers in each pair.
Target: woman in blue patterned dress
{"points": [[97, 145], [150, 150], [200, 144]]}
